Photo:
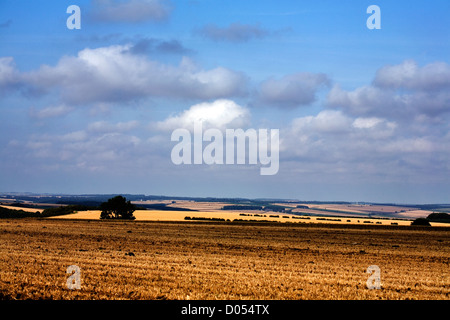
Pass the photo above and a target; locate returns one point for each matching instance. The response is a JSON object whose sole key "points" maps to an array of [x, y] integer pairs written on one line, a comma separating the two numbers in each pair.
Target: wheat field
{"points": [[167, 215], [193, 260]]}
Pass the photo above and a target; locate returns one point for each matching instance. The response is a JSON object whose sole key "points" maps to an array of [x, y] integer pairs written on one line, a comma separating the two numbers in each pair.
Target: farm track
{"points": [[188, 260]]}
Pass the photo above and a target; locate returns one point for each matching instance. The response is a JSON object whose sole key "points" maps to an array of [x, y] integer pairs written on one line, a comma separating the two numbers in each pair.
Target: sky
{"points": [[362, 113]]}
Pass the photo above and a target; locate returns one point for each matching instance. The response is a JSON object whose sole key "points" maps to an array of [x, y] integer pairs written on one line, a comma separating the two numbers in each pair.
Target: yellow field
{"points": [[191, 260], [23, 209], [166, 215]]}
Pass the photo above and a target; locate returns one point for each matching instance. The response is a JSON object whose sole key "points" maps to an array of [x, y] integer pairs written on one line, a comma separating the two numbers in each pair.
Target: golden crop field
{"points": [[167, 215], [193, 260], [23, 209]]}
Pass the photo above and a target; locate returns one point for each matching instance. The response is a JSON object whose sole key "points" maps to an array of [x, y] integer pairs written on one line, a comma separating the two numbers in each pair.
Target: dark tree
{"points": [[439, 217], [421, 222], [117, 208]]}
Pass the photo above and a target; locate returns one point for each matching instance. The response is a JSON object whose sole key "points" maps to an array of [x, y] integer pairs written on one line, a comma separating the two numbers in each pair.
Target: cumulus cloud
{"points": [[409, 146], [291, 90], [114, 74], [402, 91], [100, 146], [219, 114], [331, 129], [327, 121], [104, 126], [367, 100], [393, 130], [139, 44], [408, 75], [370, 148], [50, 112], [235, 32], [374, 128], [9, 75], [131, 10], [366, 123]]}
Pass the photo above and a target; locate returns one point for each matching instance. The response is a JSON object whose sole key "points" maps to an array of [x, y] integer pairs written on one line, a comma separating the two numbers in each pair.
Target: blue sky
{"points": [[363, 114]]}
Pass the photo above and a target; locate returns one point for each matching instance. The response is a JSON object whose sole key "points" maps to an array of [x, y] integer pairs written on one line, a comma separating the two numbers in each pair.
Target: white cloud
{"points": [[50, 112], [334, 142], [327, 121], [291, 90], [416, 145], [433, 76], [9, 75], [104, 126], [402, 92], [74, 136], [114, 74], [219, 114], [394, 130], [100, 146], [374, 128], [366, 123], [366, 100], [334, 125]]}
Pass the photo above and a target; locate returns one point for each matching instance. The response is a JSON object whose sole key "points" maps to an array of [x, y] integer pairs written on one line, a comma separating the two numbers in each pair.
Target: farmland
{"points": [[220, 260], [249, 216]]}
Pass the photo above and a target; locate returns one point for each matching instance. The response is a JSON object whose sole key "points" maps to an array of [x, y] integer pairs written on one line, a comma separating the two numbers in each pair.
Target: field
{"points": [[248, 215], [220, 260], [331, 209], [24, 209]]}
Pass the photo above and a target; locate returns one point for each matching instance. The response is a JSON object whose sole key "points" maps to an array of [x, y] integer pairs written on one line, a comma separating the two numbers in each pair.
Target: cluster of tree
{"points": [[242, 207], [49, 212], [117, 208], [272, 207], [205, 219], [433, 217], [10, 213], [439, 217], [421, 222], [62, 210], [275, 208]]}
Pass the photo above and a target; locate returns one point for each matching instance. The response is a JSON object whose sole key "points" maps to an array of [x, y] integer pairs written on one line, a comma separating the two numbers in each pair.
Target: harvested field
{"points": [[191, 260], [377, 210], [186, 204], [358, 210]]}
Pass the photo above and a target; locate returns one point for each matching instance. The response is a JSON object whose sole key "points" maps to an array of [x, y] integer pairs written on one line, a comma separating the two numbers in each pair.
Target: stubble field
{"points": [[203, 260]]}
